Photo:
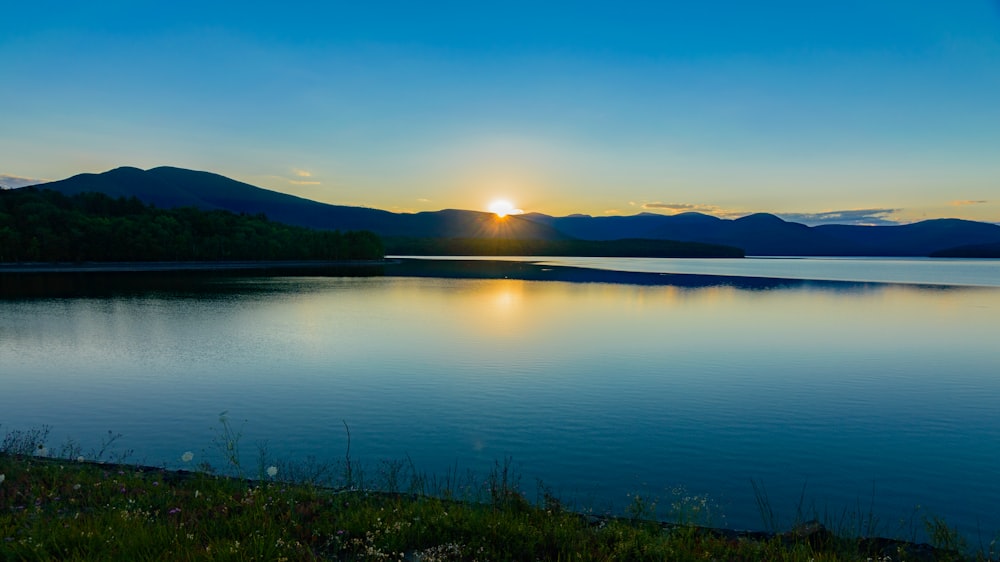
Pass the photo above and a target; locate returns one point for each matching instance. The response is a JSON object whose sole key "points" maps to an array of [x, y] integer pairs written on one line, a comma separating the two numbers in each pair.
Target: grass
{"points": [[63, 507]]}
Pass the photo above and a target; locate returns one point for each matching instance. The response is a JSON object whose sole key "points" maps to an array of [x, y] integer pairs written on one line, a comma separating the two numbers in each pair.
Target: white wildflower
{"points": [[79, 459], [2, 478], [272, 471], [187, 456]]}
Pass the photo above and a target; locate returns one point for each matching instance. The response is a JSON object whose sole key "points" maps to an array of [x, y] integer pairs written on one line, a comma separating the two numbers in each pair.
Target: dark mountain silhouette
{"points": [[757, 234], [168, 187], [764, 234], [970, 251], [644, 225], [918, 239]]}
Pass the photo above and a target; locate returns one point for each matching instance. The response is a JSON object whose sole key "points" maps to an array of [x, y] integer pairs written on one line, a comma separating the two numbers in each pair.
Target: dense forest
{"points": [[635, 247], [38, 225]]}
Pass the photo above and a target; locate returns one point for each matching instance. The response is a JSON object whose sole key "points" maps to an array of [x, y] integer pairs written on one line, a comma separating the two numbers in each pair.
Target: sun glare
{"points": [[502, 208]]}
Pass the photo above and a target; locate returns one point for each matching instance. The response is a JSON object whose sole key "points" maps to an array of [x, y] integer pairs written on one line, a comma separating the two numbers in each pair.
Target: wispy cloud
{"points": [[302, 177], [677, 208], [967, 202], [11, 182], [867, 217], [423, 200], [670, 206]]}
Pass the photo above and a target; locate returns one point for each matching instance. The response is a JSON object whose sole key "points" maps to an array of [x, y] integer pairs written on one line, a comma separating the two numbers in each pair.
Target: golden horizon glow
{"points": [[503, 207]]}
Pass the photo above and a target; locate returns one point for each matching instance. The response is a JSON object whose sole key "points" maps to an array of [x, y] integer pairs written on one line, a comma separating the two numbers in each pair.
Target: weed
{"points": [[944, 538], [24, 442], [767, 517], [228, 444], [348, 469]]}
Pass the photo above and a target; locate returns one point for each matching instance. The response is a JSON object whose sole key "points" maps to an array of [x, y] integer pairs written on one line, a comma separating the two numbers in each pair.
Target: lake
{"points": [[860, 397]]}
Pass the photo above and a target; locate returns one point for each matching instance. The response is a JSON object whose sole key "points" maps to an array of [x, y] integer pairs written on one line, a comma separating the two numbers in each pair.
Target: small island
{"points": [[624, 248]]}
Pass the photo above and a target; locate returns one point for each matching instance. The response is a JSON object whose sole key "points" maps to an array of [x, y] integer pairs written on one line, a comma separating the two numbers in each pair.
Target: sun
{"points": [[503, 207]]}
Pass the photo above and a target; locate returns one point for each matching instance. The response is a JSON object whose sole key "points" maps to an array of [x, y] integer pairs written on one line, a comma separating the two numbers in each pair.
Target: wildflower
{"points": [[76, 486], [187, 456], [79, 459], [2, 478], [272, 471], [42, 450], [174, 510]]}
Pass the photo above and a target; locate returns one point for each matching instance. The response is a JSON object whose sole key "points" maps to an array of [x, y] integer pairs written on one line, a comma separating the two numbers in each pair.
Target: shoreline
{"points": [[141, 481], [535, 271]]}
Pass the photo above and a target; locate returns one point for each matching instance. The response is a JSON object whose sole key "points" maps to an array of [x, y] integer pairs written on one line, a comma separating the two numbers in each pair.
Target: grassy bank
{"points": [[77, 509]]}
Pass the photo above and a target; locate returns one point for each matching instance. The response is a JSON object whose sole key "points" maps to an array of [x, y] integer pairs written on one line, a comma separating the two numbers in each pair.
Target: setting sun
{"points": [[502, 208]]}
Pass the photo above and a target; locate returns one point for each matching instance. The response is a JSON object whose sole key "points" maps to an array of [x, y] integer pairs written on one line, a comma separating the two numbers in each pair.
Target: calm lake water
{"points": [[856, 396]]}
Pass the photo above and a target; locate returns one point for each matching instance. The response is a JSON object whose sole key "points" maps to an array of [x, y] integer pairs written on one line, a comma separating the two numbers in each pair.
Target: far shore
{"points": [[141, 266], [420, 267]]}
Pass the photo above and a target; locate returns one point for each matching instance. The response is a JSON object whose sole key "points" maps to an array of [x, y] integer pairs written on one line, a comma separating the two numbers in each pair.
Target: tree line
{"points": [[515, 247], [41, 225]]}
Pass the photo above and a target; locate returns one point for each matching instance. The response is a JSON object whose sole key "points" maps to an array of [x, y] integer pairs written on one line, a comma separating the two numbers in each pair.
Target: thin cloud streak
{"points": [[865, 217], [671, 206], [13, 182], [677, 208], [968, 202], [868, 217]]}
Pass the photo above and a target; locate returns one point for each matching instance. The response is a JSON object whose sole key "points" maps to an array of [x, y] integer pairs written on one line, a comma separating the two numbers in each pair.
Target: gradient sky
{"points": [[852, 111]]}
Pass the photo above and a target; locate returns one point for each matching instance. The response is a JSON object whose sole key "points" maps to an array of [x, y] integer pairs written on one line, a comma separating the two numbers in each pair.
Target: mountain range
{"points": [[756, 234]]}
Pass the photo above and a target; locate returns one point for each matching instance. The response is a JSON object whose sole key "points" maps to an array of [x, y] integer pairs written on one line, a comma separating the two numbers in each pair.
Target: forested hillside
{"points": [[43, 225]]}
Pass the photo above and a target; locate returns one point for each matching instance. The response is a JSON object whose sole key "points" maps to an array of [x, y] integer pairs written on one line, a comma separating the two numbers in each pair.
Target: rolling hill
{"points": [[756, 234], [168, 187]]}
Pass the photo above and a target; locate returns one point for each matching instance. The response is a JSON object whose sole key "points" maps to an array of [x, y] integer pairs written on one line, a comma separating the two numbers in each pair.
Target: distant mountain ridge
{"points": [[757, 234], [764, 234]]}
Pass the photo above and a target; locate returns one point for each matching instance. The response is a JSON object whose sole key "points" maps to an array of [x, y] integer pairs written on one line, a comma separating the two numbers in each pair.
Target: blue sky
{"points": [[867, 112]]}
